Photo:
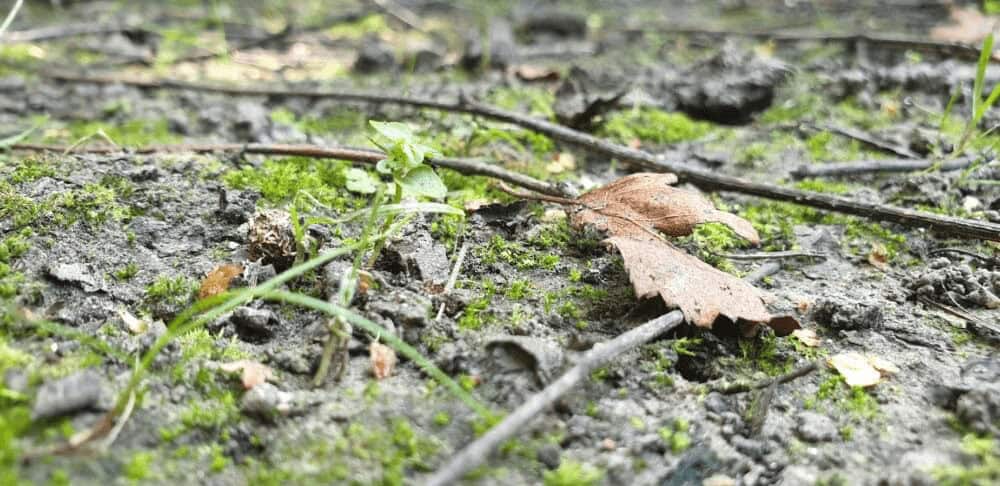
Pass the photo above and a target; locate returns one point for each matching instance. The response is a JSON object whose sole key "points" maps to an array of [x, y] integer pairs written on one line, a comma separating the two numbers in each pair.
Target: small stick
{"points": [[977, 256], [869, 140], [366, 156], [770, 255], [742, 387], [10, 17], [879, 166], [478, 451], [454, 276]]}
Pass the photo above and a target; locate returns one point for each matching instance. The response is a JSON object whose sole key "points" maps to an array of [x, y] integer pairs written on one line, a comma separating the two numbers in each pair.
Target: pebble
{"points": [[254, 325], [813, 427], [78, 391]]}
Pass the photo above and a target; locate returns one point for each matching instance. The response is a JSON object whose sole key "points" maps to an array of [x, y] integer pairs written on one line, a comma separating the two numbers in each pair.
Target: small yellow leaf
{"points": [[855, 369], [251, 372], [883, 365], [807, 337]]}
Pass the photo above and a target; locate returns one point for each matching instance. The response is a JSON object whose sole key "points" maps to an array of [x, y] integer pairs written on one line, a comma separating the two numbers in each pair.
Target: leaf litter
{"points": [[633, 208]]}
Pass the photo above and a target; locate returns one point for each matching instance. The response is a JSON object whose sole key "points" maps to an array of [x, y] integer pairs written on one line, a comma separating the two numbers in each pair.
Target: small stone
{"points": [[542, 356], [500, 43], [813, 427], [266, 401], [608, 444], [549, 454], [718, 480], [403, 307], [78, 391], [971, 204], [77, 273], [271, 239], [254, 325], [374, 56]]}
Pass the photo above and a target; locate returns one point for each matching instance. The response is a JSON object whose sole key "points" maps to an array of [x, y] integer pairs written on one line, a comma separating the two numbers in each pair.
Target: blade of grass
{"points": [[375, 330]]}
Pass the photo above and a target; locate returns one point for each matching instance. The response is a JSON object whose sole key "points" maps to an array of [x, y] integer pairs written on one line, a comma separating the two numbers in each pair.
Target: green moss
{"points": [[984, 467], [523, 140], [676, 436], [513, 253], [821, 185], [572, 473], [761, 352], [854, 401], [518, 290], [170, 291], [131, 133], [280, 180], [442, 419], [139, 466], [653, 125], [537, 101], [367, 25], [127, 272], [474, 316], [31, 169], [337, 124]]}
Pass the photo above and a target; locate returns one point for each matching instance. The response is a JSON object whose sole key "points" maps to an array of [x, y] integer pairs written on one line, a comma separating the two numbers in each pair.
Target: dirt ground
{"points": [[99, 252]]}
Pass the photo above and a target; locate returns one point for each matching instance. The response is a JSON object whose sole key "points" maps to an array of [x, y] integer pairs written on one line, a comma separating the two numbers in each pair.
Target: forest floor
{"points": [[100, 251]]}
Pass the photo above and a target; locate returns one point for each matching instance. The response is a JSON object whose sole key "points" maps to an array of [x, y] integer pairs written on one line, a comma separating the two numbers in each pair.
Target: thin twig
{"points": [[880, 166], [709, 179], [400, 13], [479, 450], [868, 140], [770, 255], [455, 270], [10, 17], [742, 387], [366, 156], [119, 424], [977, 256]]}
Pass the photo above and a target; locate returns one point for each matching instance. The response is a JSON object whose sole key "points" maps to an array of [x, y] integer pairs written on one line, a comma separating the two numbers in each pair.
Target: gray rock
{"points": [[254, 325], [423, 257], [732, 87], [266, 401], [542, 356], [842, 315], [553, 24], [501, 46], [76, 273], [78, 391], [813, 427], [15, 380], [374, 56], [251, 121], [796, 475], [403, 307], [549, 454]]}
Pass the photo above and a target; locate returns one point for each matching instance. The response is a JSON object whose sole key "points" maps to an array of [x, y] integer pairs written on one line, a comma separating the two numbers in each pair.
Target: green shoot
{"points": [[979, 105]]}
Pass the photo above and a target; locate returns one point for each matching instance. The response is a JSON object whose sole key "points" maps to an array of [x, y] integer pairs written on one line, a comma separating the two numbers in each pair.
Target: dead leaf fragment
{"points": [[133, 323], [807, 337], [856, 369], [217, 281], [562, 162], [968, 25], [251, 372], [632, 210], [878, 257], [883, 365], [638, 203], [530, 72], [383, 360]]}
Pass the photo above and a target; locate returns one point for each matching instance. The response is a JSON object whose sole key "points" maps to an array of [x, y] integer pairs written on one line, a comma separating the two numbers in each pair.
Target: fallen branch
{"points": [[879, 166], [771, 255], [479, 450], [708, 179], [366, 156]]}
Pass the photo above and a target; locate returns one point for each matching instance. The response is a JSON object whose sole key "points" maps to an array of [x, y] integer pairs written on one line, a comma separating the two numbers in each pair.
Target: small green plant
{"points": [[127, 272], [572, 473], [979, 105]]}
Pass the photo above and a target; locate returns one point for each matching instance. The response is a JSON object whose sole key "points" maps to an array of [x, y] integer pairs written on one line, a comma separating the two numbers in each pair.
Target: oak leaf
{"points": [[634, 210]]}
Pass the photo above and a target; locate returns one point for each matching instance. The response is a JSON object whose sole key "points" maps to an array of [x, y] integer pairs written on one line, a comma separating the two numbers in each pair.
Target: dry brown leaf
{"points": [[855, 369], [968, 25], [701, 291], [807, 337], [251, 372], [530, 72], [217, 281], [632, 209], [638, 203], [383, 360]]}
